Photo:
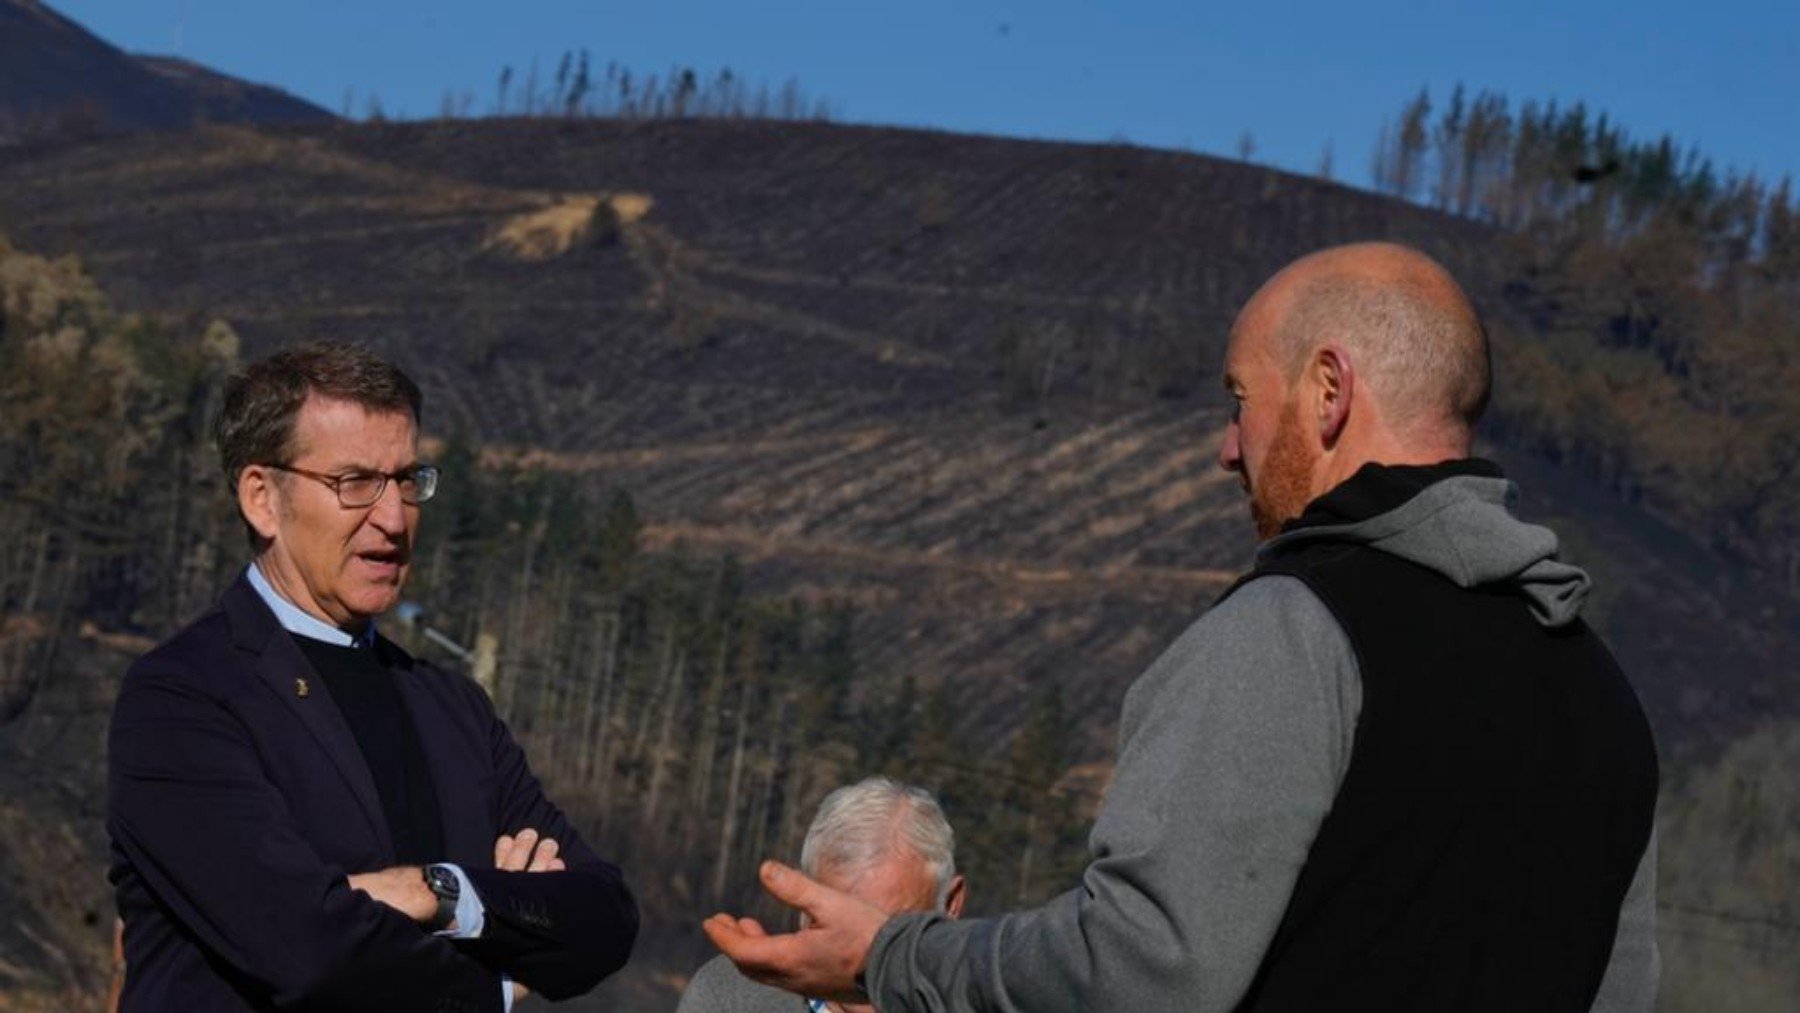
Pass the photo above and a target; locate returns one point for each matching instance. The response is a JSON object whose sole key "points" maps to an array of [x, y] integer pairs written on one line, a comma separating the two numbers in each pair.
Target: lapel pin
{"points": [[301, 689]]}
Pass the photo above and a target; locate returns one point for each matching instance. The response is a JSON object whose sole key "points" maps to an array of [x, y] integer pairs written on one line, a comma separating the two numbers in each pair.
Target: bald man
{"points": [[1390, 769]]}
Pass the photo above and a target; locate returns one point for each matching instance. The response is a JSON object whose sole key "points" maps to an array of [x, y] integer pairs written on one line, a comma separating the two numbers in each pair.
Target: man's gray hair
{"points": [[860, 824]]}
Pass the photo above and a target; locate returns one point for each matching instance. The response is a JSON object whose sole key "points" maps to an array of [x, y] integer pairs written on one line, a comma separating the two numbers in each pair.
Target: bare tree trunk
{"points": [[604, 638], [61, 623], [701, 778], [194, 580], [659, 764], [1025, 859], [734, 782], [550, 686], [16, 658], [516, 625], [603, 729], [771, 768], [792, 811], [171, 550]]}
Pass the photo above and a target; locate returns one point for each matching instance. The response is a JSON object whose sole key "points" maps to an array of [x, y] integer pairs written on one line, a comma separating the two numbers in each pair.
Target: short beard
{"points": [[1283, 486]]}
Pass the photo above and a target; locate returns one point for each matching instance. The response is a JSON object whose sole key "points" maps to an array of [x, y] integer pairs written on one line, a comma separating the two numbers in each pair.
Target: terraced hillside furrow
{"points": [[964, 383], [1101, 495], [1003, 558]]}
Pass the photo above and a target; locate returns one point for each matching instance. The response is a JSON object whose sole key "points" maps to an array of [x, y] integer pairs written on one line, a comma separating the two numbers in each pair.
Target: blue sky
{"points": [[1723, 74]]}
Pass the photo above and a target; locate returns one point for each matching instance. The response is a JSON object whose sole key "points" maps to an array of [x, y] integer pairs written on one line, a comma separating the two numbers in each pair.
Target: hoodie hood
{"points": [[1454, 518]]}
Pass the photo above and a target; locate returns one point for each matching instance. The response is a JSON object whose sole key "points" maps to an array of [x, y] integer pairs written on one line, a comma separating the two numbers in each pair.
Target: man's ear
{"points": [[1334, 377], [953, 900], [259, 500]]}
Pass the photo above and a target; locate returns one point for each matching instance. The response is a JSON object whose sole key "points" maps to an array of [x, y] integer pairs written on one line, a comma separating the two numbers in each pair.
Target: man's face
{"points": [[1265, 443], [341, 564], [900, 882]]}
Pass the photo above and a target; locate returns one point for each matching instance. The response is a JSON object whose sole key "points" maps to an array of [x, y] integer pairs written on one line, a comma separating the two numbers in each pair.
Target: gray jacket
{"points": [[1232, 747]]}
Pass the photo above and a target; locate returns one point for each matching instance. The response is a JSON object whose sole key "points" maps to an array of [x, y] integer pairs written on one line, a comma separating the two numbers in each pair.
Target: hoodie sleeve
{"points": [[1232, 748]]}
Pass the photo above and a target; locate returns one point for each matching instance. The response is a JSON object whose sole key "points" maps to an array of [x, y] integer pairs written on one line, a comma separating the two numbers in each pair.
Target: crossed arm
{"points": [[403, 888], [212, 844]]}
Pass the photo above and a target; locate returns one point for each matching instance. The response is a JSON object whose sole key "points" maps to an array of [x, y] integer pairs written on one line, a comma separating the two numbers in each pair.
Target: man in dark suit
{"points": [[303, 816]]}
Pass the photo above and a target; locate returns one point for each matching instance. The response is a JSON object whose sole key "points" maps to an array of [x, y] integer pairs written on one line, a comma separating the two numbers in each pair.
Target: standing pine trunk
{"points": [[549, 724], [14, 671], [606, 639], [771, 769], [701, 778], [735, 781], [1025, 861], [601, 732], [659, 762]]}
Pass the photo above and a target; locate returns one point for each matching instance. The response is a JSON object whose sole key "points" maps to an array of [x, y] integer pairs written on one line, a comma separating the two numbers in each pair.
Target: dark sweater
{"points": [[361, 683]]}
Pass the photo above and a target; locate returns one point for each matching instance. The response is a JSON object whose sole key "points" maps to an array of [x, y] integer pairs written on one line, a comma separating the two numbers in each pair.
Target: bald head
{"points": [[1354, 355], [1404, 322]]}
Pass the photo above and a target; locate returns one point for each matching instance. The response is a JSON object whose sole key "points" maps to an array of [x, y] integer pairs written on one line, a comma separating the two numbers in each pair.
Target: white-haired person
{"points": [[884, 842]]}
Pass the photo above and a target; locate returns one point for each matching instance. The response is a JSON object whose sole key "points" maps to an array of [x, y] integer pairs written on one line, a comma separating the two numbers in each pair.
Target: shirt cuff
{"points": [[506, 993], [471, 914]]}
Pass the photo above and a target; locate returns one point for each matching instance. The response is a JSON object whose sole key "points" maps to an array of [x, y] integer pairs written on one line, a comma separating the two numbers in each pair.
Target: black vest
{"points": [[1498, 798]]}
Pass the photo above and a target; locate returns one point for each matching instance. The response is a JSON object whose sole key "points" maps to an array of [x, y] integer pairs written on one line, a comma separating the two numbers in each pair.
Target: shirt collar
{"points": [[301, 623]]}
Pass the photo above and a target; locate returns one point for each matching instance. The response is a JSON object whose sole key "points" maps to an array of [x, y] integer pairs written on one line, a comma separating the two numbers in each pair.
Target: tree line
{"points": [[1650, 328], [1542, 163], [578, 88]]}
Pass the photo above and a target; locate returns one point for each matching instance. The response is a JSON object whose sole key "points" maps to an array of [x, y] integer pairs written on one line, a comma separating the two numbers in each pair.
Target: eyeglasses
{"points": [[358, 489]]}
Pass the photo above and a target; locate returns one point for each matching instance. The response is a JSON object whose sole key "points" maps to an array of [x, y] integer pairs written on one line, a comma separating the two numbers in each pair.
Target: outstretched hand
{"points": [[824, 959]]}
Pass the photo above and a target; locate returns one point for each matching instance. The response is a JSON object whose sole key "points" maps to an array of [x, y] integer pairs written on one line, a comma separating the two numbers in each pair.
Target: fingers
{"points": [[518, 852], [545, 857], [734, 928], [742, 939], [527, 853], [511, 853], [797, 890]]}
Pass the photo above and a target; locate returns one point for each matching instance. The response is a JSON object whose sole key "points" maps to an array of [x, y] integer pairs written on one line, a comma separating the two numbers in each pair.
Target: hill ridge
{"points": [[58, 78], [881, 341]]}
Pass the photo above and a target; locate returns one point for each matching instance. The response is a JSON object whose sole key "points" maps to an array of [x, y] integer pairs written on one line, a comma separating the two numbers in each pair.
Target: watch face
{"points": [[442, 881]]}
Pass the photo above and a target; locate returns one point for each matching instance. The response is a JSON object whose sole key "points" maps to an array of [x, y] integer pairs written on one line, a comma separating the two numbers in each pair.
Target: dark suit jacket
{"points": [[237, 806]]}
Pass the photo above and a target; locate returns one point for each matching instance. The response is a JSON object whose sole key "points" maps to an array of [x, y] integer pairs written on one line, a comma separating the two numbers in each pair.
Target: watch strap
{"points": [[444, 885]]}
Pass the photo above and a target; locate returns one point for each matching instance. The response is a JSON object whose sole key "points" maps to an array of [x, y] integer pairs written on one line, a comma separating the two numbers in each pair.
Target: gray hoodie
{"points": [[1232, 748]]}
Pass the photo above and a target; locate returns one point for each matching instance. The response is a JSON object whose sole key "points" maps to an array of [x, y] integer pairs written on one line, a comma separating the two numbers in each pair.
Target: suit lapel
{"points": [[286, 672]]}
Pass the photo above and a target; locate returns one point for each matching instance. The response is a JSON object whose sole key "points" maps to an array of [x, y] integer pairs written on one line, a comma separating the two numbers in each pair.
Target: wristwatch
{"points": [[448, 889]]}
